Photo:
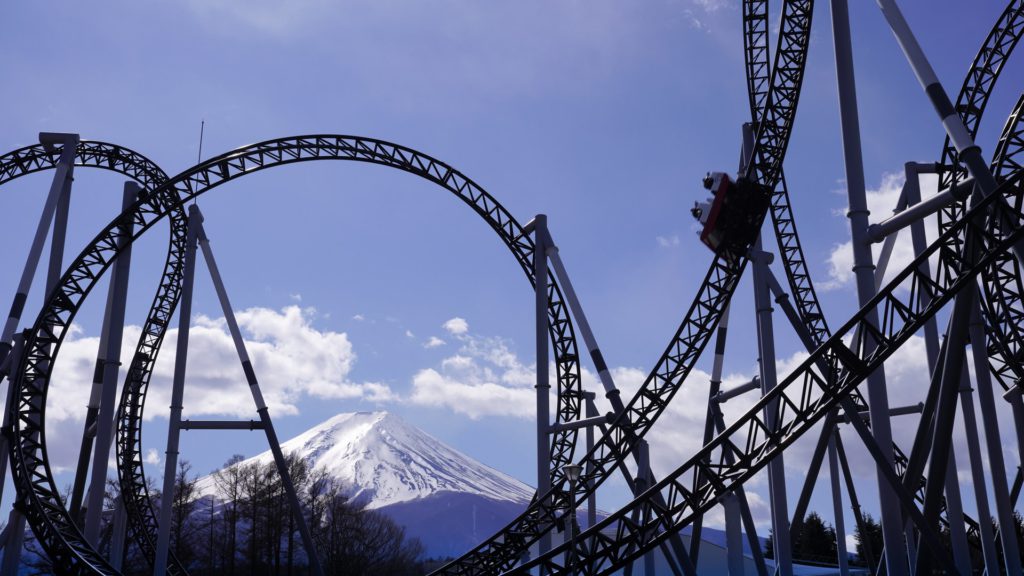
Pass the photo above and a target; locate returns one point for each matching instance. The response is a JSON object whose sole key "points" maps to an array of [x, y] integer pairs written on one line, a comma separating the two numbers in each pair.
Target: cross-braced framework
{"points": [[974, 264], [57, 532]]}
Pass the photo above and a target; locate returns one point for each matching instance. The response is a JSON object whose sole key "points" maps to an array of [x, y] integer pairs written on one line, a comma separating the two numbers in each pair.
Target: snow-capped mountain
{"points": [[381, 461], [443, 497]]}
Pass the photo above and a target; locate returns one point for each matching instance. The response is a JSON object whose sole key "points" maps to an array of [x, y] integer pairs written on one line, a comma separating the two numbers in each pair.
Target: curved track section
{"points": [[758, 69], [37, 492], [801, 399], [974, 95], [502, 551], [1001, 282], [971, 103], [977, 86], [130, 411], [37, 158], [602, 554], [128, 440], [129, 163], [142, 521]]}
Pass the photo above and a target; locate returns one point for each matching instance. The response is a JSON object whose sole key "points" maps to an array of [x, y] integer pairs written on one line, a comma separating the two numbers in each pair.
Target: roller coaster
{"points": [[970, 275]]}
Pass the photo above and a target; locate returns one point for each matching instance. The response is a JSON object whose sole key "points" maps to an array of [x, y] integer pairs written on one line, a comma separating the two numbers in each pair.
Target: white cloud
{"points": [[409, 334], [881, 203], [475, 398], [292, 359], [152, 457], [483, 378], [295, 297], [359, 317], [711, 5], [267, 16], [456, 326], [668, 241], [695, 22], [433, 342]]}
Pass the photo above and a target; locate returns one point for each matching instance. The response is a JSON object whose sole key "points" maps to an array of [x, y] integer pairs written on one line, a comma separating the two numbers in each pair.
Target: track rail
{"points": [[1001, 282], [502, 551], [755, 42], [974, 96], [121, 160], [802, 398], [92, 154], [758, 69], [971, 104], [38, 495]]}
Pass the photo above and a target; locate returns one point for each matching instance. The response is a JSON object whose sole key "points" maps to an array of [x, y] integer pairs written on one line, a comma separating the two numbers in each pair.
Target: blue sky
{"points": [[603, 115]]}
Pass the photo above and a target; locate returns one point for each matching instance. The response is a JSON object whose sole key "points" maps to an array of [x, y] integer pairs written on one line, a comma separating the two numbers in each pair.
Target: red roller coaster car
{"points": [[730, 217]]}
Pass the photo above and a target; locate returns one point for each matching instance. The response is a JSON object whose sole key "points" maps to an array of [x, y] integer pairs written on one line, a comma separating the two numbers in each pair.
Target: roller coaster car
{"points": [[730, 217]]}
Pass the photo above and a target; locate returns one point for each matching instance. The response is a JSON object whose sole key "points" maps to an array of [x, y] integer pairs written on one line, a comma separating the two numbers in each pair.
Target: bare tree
{"points": [[228, 481], [248, 526], [357, 541], [183, 528]]}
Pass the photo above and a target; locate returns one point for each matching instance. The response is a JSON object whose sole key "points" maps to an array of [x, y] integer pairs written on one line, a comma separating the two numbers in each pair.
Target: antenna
{"points": [[199, 157], [202, 128]]}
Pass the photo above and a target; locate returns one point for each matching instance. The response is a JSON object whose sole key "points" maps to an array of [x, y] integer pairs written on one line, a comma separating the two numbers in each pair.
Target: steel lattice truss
{"points": [[133, 165], [502, 551], [1004, 308], [974, 95], [756, 54], [802, 399], [806, 396], [37, 492], [37, 158], [130, 164], [128, 443]]}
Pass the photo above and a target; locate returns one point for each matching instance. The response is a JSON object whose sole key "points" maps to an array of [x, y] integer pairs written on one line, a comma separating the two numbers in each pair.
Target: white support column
{"points": [[62, 182], [257, 396], [779, 501], [543, 385], [118, 535], [117, 296], [863, 267], [62, 177], [837, 504], [163, 540]]}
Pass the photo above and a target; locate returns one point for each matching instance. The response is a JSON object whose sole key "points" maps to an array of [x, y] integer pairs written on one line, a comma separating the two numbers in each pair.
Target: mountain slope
{"points": [[441, 496], [380, 461]]}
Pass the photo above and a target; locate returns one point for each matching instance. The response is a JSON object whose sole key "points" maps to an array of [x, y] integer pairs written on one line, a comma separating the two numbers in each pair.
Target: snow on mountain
{"points": [[381, 461]]}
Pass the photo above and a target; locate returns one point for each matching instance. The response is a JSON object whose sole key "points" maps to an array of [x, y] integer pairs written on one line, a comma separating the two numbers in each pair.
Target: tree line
{"points": [[816, 542], [247, 527]]}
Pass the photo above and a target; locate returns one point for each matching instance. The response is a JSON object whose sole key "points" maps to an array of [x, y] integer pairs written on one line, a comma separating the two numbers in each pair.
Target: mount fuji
{"points": [[441, 496]]}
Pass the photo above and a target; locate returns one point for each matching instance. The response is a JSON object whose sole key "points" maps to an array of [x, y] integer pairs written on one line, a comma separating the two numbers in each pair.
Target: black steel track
{"points": [[130, 411], [756, 61], [502, 551], [802, 398], [92, 154], [756, 54], [1001, 282], [974, 95], [1002, 291], [129, 163], [37, 493], [604, 554]]}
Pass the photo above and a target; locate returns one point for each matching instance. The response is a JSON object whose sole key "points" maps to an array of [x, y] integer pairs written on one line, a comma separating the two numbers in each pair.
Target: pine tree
{"points": [[183, 528], [816, 541], [870, 536]]}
